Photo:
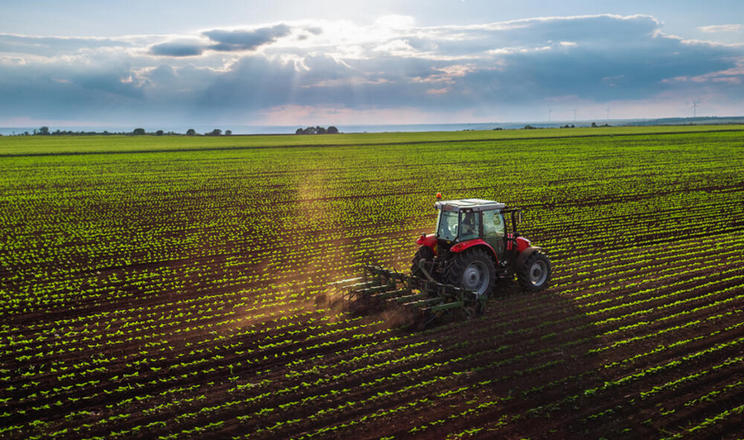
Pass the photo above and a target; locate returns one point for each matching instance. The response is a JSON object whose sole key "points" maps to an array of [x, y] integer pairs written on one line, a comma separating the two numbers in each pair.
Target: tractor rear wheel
{"points": [[473, 270], [424, 253], [534, 273]]}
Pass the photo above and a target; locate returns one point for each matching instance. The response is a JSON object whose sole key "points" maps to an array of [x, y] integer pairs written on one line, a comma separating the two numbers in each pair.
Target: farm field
{"points": [[166, 287]]}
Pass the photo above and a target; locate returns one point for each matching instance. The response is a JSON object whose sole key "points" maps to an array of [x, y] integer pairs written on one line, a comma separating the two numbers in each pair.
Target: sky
{"points": [[174, 63]]}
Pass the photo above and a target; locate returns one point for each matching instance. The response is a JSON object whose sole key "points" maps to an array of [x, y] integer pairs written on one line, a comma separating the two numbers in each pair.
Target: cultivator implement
{"points": [[422, 301]]}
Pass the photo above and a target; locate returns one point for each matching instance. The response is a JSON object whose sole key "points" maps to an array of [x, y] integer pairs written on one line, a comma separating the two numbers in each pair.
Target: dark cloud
{"points": [[222, 41], [56, 91], [601, 29], [239, 40], [177, 49]]}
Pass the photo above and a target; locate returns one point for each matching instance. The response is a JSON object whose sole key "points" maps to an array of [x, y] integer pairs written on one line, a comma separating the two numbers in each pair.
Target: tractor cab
{"points": [[475, 242], [462, 220]]}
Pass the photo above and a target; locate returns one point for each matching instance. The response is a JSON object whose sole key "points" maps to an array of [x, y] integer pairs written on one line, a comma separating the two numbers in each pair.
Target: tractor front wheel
{"points": [[534, 273], [473, 270]]}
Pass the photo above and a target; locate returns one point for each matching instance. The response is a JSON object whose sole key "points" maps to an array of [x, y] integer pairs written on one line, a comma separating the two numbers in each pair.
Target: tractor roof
{"points": [[469, 204]]}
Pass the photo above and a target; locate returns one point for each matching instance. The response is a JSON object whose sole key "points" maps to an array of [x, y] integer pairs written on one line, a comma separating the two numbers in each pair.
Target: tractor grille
{"points": [[443, 250]]}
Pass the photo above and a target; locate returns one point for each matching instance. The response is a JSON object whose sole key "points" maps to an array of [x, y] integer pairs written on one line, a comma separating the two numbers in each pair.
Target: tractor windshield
{"points": [[447, 228]]}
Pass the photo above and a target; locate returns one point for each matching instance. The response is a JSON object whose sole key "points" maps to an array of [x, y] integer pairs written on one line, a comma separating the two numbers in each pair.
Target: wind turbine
{"points": [[694, 104]]}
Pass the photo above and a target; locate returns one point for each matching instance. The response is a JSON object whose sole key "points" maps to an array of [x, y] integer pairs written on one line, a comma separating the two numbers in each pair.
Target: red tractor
{"points": [[472, 247], [456, 268]]}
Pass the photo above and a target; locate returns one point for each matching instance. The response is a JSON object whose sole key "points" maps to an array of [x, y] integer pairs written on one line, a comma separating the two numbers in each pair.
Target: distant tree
{"points": [[44, 131], [190, 132], [215, 132], [317, 130], [138, 131], [529, 127], [228, 132], [594, 125], [159, 133]]}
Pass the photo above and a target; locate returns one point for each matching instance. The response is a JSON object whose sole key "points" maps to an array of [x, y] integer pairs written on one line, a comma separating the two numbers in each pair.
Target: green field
{"points": [[15, 145], [165, 287]]}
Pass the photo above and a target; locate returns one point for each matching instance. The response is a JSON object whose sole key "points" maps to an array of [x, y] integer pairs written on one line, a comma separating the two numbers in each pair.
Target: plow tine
{"points": [[391, 294], [424, 303], [447, 306], [362, 285], [409, 298], [347, 281], [371, 290]]}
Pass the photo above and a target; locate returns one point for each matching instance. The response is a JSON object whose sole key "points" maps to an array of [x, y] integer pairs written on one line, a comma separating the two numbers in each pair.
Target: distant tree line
{"points": [[189, 132], [215, 132], [44, 131], [317, 130], [594, 125]]}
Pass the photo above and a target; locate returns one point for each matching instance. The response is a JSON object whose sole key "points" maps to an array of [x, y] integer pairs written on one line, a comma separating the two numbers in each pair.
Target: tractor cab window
{"points": [[470, 227], [447, 229], [493, 230], [493, 224]]}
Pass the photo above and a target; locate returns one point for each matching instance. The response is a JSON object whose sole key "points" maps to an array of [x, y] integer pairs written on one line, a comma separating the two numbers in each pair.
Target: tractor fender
{"points": [[521, 243], [465, 245], [428, 240], [525, 254]]}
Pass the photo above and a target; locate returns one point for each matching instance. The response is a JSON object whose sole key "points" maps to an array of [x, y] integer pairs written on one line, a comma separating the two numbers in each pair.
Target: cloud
{"points": [[221, 40], [240, 40], [55, 46], [721, 28], [182, 48], [508, 70]]}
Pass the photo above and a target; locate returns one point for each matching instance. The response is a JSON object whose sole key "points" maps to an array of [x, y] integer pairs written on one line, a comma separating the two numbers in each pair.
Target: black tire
{"points": [[534, 274], [474, 270], [423, 253]]}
